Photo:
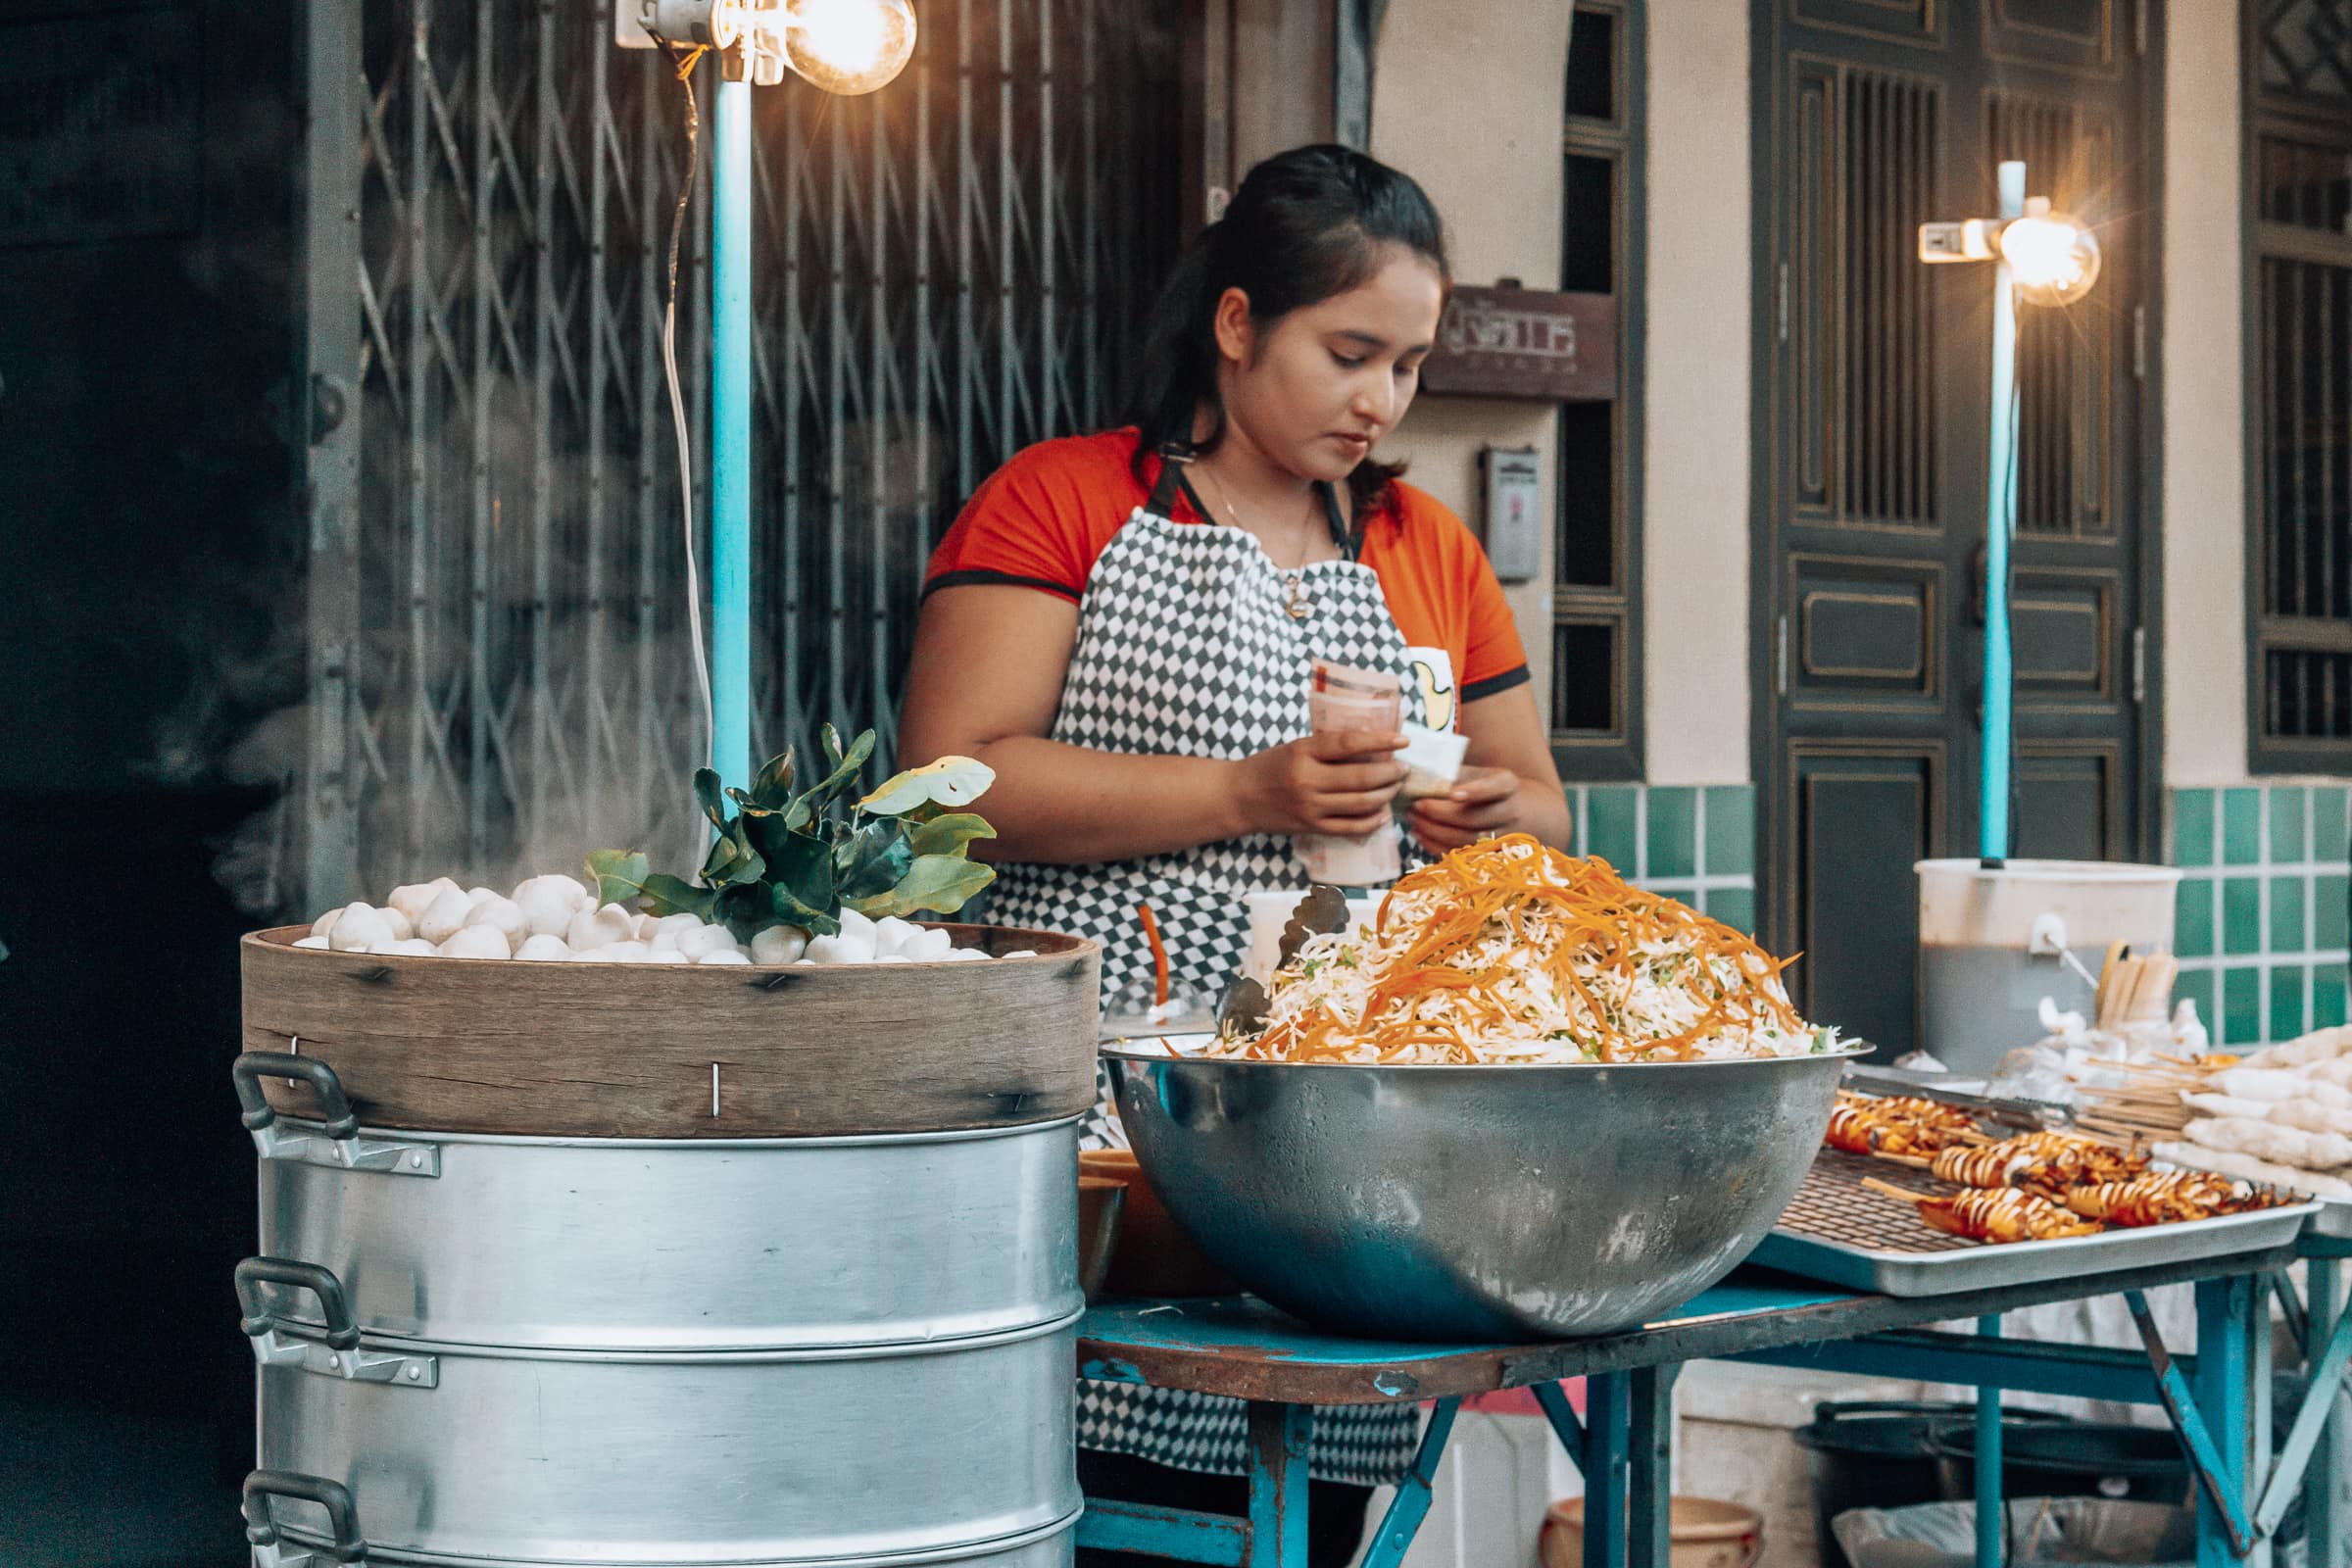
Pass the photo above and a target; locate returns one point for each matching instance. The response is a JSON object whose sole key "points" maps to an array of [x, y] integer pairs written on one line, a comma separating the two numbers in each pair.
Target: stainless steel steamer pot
{"points": [[760, 1457], [678, 1245]]}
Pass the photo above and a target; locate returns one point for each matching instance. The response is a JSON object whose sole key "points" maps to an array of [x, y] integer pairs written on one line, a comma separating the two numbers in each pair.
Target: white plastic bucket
{"points": [[1980, 980]]}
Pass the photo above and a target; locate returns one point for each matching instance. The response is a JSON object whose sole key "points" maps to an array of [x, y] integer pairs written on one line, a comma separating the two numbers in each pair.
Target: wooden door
{"points": [[1873, 407]]}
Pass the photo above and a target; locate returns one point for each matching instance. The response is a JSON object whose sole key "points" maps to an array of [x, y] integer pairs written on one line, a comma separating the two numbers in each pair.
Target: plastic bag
{"points": [[2041, 1531]]}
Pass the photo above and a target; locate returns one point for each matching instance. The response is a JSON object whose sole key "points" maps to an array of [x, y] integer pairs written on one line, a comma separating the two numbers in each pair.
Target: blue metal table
{"points": [[2219, 1399]]}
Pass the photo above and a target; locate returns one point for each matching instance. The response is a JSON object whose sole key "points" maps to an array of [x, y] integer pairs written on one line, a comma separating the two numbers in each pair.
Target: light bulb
{"points": [[849, 46], [2053, 259]]}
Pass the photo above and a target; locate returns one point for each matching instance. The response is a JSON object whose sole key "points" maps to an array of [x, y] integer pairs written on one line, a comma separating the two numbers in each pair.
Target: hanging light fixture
{"points": [[2053, 257]]}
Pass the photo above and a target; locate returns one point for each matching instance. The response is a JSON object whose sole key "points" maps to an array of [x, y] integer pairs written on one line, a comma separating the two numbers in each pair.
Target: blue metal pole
{"points": [[1992, 1499], [731, 435], [2000, 523]]}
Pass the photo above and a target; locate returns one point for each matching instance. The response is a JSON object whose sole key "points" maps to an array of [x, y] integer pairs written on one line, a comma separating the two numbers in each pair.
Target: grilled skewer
{"points": [[1994, 1215]]}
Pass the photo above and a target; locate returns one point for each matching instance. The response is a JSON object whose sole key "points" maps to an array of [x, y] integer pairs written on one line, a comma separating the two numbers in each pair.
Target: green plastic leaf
{"points": [[830, 738], [941, 883], [619, 874], [733, 861], [872, 859], [670, 895], [706, 790], [951, 781], [800, 866], [812, 805], [947, 833], [773, 789], [783, 906]]}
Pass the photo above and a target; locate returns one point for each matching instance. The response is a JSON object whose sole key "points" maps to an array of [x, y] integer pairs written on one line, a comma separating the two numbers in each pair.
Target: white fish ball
{"points": [[505, 915], [444, 915], [779, 943], [543, 948], [703, 941], [841, 948], [477, 942], [360, 927], [723, 955], [591, 929], [311, 942]]}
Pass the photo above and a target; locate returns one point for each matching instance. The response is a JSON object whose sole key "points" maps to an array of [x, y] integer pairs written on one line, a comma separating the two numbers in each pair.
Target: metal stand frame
{"points": [[2219, 1405]]}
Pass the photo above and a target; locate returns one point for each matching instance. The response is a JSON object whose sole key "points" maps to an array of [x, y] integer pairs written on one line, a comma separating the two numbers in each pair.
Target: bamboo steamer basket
{"points": [[678, 1050]]}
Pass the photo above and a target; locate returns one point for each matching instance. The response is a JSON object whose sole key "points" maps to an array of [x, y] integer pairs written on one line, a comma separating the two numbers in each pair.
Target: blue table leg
{"points": [[1607, 1463], [1651, 1480], [1991, 1519], [2223, 1396], [1279, 1436], [1410, 1505], [2329, 1317]]}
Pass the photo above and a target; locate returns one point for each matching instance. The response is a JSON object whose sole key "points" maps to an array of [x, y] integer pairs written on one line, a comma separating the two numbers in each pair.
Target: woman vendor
{"points": [[1122, 625]]}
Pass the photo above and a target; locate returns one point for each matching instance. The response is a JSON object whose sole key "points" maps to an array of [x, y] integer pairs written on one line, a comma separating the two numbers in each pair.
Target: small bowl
{"points": [[1702, 1533], [1151, 1254], [1100, 1201]]}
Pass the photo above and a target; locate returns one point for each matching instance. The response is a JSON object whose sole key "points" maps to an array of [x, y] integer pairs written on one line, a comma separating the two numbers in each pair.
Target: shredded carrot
{"points": [[1160, 955], [1588, 930]]}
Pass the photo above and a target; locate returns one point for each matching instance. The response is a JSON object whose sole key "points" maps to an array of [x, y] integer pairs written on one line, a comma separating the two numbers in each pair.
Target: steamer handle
{"points": [[342, 1329], [261, 1524], [252, 1066]]}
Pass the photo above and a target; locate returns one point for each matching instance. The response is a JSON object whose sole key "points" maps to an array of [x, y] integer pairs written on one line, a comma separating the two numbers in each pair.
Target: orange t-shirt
{"points": [[1042, 519]]}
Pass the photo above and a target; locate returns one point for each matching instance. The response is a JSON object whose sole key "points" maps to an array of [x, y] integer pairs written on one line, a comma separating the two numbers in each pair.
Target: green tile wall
{"points": [[1696, 844], [2261, 923]]}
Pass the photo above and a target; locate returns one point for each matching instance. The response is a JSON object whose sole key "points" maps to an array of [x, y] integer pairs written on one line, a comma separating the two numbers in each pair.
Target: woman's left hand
{"points": [[1484, 802]]}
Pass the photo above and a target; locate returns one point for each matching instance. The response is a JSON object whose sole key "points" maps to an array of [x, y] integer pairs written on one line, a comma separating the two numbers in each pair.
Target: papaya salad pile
{"points": [[1509, 951]]}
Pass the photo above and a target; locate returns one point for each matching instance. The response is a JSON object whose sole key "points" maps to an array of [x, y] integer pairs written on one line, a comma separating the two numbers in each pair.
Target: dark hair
{"points": [[1305, 225]]}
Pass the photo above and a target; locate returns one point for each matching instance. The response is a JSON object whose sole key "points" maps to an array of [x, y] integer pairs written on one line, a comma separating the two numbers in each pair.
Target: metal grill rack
{"points": [[1832, 1206]]}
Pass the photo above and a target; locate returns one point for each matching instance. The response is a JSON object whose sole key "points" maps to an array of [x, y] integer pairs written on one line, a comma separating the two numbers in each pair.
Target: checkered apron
{"points": [[1185, 648]]}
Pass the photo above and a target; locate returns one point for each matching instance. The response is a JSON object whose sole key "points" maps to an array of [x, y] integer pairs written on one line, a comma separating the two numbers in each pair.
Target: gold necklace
{"points": [[1297, 602]]}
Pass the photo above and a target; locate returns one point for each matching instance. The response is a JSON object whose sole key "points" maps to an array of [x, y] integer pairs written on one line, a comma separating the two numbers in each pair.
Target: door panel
{"points": [[1873, 420]]}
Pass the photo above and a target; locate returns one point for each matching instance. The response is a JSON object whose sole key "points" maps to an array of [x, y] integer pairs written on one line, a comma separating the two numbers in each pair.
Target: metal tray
{"points": [[2330, 1218], [1836, 1232]]}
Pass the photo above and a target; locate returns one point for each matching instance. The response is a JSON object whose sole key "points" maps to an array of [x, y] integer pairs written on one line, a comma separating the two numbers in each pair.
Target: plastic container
{"points": [[1980, 980], [1701, 1532], [1874, 1453], [1271, 910], [2067, 1459]]}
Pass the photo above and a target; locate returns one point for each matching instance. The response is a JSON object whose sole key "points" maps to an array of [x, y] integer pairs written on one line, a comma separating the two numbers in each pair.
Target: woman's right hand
{"points": [[1340, 783]]}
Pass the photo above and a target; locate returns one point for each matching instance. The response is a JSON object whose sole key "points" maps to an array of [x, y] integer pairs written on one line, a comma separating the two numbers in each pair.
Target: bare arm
{"points": [[1508, 782], [986, 676]]}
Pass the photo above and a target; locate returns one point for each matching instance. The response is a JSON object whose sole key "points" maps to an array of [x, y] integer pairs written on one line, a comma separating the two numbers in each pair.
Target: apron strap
{"points": [[1171, 482]]}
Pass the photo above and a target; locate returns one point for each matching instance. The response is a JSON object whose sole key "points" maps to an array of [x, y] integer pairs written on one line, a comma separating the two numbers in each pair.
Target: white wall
{"points": [[1484, 142], [1695, 431], [2204, 403]]}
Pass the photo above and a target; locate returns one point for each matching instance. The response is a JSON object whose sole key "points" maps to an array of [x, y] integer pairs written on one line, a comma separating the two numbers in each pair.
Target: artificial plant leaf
{"points": [[707, 791], [830, 738], [672, 894], [773, 788], [871, 859], [733, 861], [619, 874], [941, 883], [813, 803], [800, 865], [947, 833], [952, 781], [784, 906]]}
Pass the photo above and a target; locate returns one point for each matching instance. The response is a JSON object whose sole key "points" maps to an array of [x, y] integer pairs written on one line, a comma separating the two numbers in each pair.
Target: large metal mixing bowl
{"points": [[1474, 1203]]}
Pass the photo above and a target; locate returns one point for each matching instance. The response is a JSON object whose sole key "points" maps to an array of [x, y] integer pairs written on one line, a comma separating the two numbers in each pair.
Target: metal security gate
{"points": [[500, 667]]}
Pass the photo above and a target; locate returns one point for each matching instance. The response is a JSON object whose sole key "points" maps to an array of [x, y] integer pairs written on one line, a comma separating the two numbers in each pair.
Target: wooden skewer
{"points": [[1889, 1190], [1915, 1161]]}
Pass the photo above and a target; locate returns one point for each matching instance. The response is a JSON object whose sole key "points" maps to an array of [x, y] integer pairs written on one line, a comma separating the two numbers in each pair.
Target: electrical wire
{"points": [[685, 60]]}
